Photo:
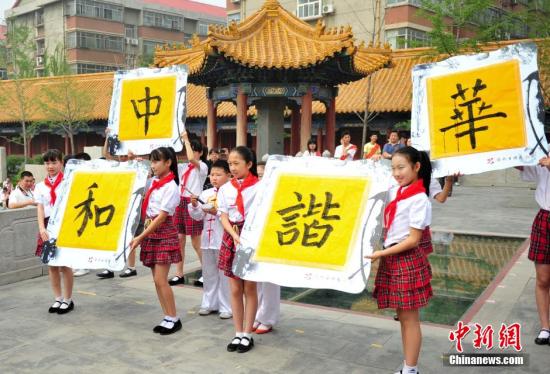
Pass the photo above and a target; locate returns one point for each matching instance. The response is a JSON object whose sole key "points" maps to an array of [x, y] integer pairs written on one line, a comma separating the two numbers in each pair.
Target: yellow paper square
{"points": [[296, 244], [111, 193], [147, 102], [487, 106]]}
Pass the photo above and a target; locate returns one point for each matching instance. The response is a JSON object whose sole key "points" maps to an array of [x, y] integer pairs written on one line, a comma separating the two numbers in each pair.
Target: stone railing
{"points": [[18, 233]]}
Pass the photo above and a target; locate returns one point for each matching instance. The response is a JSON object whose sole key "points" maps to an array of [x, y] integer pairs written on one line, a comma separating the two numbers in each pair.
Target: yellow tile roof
{"points": [[391, 89], [273, 37]]}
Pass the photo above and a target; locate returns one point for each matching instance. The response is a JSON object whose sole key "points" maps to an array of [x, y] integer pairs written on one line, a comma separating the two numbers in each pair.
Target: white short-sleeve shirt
{"points": [[350, 154], [42, 196], [212, 234], [435, 188], [166, 198], [20, 196], [196, 179], [415, 212], [540, 175], [227, 197]]}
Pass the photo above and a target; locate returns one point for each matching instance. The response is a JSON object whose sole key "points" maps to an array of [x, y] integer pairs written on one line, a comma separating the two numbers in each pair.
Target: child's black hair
{"points": [[221, 164], [344, 133], [82, 156], [26, 174], [165, 154], [248, 156], [414, 155], [52, 155], [311, 141]]}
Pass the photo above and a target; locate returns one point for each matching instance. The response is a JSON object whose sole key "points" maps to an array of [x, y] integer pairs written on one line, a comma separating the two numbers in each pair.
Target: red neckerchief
{"points": [[249, 181], [413, 189], [345, 154], [373, 150], [157, 183], [53, 186], [185, 176]]}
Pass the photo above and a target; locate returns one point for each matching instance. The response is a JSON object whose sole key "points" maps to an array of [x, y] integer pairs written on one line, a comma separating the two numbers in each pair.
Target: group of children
{"points": [[175, 206]]}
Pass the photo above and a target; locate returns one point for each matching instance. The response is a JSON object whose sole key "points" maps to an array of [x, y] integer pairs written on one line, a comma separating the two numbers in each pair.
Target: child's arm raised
{"points": [[189, 150]]}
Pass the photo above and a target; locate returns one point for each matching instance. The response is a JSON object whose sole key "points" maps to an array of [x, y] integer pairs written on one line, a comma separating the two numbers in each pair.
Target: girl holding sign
{"points": [[45, 195], [234, 201], [404, 274], [159, 240]]}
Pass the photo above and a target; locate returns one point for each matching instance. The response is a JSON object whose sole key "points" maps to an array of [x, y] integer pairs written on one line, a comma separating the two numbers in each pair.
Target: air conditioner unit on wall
{"points": [[39, 61], [134, 41], [328, 8], [235, 1]]}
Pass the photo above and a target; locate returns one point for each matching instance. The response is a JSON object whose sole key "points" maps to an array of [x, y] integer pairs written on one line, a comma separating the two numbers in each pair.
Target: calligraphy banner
{"points": [[96, 214], [480, 112], [148, 110], [312, 222]]}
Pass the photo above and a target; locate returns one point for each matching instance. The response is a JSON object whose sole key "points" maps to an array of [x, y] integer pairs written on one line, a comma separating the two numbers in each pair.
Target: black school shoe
{"points": [[176, 280], [245, 348], [167, 331], [65, 310], [106, 274], [542, 341], [53, 308], [128, 273], [232, 347]]}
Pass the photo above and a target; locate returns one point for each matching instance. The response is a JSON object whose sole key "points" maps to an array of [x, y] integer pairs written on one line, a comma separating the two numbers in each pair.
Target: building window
{"points": [[236, 17], [402, 2], [165, 21], [93, 68], [130, 31], [149, 47], [95, 9], [3, 74], [407, 37], [202, 28], [39, 18], [90, 40], [308, 9]]}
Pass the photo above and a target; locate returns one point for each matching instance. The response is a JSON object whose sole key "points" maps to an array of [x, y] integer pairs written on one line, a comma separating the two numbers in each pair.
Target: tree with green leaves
{"points": [[66, 106], [19, 59]]}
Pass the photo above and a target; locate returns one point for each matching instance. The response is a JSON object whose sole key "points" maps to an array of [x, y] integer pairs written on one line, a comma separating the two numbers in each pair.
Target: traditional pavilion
{"points": [[276, 62]]}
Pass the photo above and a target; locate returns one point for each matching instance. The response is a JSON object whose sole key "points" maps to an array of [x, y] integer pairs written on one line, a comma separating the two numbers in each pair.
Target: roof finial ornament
{"points": [[194, 41], [271, 4], [320, 27]]}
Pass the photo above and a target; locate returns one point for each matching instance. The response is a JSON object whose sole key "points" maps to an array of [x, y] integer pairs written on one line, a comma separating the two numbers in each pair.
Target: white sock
{"points": [[544, 334], [409, 369], [131, 268], [58, 301], [246, 342], [65, 304]]}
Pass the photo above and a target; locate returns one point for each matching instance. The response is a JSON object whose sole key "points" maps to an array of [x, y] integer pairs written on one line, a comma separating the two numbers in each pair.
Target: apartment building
{"points": [[400, 23], [103, 36], [3, 31]]}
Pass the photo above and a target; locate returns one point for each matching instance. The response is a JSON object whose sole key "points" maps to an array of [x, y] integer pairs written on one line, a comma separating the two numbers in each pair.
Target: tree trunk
{"points": [[71, 139], [25, 147]]}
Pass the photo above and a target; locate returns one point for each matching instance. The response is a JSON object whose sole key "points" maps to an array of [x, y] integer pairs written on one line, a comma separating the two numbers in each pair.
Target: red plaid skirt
{"points": [[162, 246], [426, 241], [403, 280], [185, 224], [539, 249], [39, 241], [227, 252]]}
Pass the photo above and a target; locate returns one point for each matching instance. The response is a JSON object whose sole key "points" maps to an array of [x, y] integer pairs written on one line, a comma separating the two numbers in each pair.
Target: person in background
{"points": [[346, 150], [4, 197], [22, 195], [392, 145], [372, 148], [224, 154], [311, 149]]}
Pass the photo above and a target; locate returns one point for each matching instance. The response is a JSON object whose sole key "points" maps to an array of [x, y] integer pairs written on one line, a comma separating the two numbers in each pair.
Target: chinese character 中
{"points": [[315, 234], [459, 334], [148, 113], [509, 336], [472, 118], [86, 206]]}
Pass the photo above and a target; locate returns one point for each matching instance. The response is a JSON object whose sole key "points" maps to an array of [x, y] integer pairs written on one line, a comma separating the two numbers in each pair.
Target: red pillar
{"points": [[295, 131], [331, 126], [211, 135], [320, 140], [242, 121], [305, 128]]}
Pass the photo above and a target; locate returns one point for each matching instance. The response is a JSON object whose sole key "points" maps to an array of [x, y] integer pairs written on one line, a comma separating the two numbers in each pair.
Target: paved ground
{"points": [[110, 329]]}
